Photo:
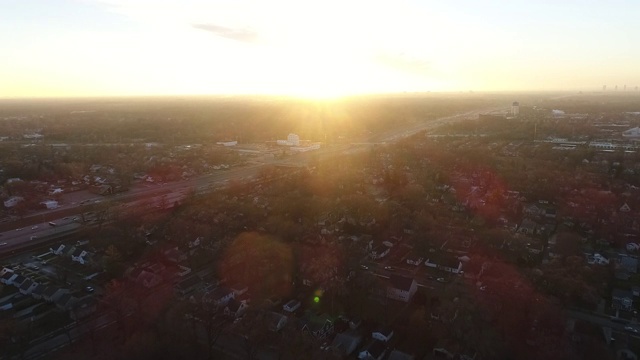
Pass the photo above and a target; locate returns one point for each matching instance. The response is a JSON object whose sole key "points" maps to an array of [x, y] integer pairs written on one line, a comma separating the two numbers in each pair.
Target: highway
{"points": [[24, 232]]}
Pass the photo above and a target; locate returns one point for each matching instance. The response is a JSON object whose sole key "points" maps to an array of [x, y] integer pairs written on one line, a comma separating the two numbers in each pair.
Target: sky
{"points": [[314, 48]]}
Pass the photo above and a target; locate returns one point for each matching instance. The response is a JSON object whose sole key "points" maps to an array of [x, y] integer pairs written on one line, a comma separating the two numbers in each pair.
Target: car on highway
{"points": [[442, 280], [18, 229], [89, 289], [3, 243], [389, 268], [631, 329], [619, 320], [364, 267], [51, 223], [34, 227]]}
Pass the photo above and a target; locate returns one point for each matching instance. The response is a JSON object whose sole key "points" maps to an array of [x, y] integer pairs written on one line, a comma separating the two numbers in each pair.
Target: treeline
{"points": [[207, 119]]}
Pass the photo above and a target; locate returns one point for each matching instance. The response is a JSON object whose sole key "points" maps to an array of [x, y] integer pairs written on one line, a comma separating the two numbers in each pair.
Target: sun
{"points": [[315, 91], [326, 81]]}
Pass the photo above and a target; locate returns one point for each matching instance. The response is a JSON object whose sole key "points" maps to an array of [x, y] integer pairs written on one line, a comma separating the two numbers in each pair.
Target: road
{"points": [[397, 134], [21, 233]]}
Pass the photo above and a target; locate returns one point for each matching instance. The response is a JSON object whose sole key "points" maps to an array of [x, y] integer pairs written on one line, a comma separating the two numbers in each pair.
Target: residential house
{"points": [[383, 334], [345, 343], [444, 262], [528, 227], [133, 272], [27, 287], [276, 321], [156, 268], [291, 306], [374, 350], [400, 355], [535, 246], [318, 326], [622, 299], [5, 270], [183, 271], [453, 351], [195, 243], [49, 204], [355, 323], [597, 259], [174, 255], [546, 228], [58, 250], [148, 279], [633, 247], [81, 256], [12, 201], [628, 263], [551, 247], [532, 209], [239, 289], [188, 285], [414, 260], [53, 293], [401, 288], [442, 353], [379, 252], [550, 213], [219, 296], [38, 292], [8, 277], [66, 302], [83, 308], [17, 281], [235, 308]]}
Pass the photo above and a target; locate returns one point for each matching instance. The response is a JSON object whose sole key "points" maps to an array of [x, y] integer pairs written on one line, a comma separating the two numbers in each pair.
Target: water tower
{"points": [[515, 108]]}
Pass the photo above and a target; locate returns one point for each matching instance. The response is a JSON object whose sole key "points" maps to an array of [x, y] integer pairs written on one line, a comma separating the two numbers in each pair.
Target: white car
{"points": [[631, 329]]}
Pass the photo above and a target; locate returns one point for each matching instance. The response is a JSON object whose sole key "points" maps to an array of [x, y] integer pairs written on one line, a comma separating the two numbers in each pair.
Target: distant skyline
{"points": [[68, 48]]}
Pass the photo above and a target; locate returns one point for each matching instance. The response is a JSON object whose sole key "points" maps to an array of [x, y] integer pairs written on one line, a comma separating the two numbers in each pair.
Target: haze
{"points": [[313, 48]]}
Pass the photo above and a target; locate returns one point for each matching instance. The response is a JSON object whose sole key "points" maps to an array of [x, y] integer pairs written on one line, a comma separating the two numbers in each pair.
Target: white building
{"points": [[292, 140], [401, 288], [291, 306], [597, 259], [227, 143], [50, 204], [632, 133], [515, 108], [12, 201], [305, 148]]}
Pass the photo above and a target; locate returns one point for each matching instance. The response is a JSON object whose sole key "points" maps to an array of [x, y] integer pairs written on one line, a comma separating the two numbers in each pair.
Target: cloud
{"points": [[242, 35], [404, 63]]}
